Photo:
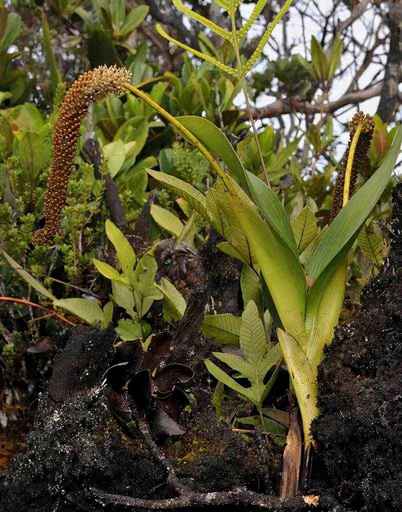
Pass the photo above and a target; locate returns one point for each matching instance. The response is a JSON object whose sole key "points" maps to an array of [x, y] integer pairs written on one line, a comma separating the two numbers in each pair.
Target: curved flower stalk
{"points": [[88, 88]]}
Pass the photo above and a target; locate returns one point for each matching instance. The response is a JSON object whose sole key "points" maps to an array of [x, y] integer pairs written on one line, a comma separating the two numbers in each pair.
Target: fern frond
{"points": [[259, 6], [197, 53], [225, 34], [264, 39]]}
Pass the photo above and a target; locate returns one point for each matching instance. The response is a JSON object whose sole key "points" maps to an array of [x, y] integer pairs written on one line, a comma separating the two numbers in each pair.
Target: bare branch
{"points": [[282, 107], [209, 499]]}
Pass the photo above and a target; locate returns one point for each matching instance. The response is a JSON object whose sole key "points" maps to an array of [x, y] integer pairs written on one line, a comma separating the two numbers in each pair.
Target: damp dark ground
{"points": [[77, 444]]}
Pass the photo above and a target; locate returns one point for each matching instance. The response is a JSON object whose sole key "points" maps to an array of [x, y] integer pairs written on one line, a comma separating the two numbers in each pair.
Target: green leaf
{"points": [[279, 266], [167, 220], [319, 60], [174, 303], [123, 297], [223, 328], [223, 377], [304, 381], [305, 228], [191, 194], [11, 26], [107, 314], [107, 270], [124, 250], [129, 330], [115, 154], [217, 143], [134, 20], [272, 210], [86, 309], [237, 363], [38, 286], [371, 242], [250, 287], [351, 218], [252, 335], [334, 57]]}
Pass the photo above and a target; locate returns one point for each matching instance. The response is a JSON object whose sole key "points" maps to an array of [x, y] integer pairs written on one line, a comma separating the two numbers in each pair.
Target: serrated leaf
{"points": [[166, 220], [124, 250], [223, 328], [86, 309], [305, 228], [34, 283], [252, 335]]}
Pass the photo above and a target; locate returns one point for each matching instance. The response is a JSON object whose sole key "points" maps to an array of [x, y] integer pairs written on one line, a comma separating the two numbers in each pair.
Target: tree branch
{"points": [[390, 101], [281, 107], [209, 499]]}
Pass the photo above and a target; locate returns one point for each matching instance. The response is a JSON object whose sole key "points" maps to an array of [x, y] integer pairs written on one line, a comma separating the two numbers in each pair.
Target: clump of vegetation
{"points": [[131, 161]]}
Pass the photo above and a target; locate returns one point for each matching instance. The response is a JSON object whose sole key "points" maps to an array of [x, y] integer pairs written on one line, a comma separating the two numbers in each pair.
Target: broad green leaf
{"points": [[34, 283], [252, 335], [324, 305], [223, 328], [167, 220], [174, 303], [124, 250], [86, 309], [34, 152], [227, 248], [305, 228], [115, 154], [107, 270], [217, 143], [279, 266], [190, 193], [123, 297], [351, 218], [129, 330], [304, 381], [272, 210], [118, 13]]}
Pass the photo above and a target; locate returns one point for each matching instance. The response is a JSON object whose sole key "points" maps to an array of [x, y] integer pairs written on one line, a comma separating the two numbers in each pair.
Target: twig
{"points": [[234, 497], [26, 302]]}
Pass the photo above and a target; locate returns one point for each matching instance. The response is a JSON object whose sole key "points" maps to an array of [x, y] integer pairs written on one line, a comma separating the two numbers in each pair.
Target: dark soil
{"points": [[77, 444], [359, 431]]}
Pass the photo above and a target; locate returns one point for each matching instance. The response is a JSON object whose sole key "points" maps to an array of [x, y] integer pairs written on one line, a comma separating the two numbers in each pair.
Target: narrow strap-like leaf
{"points": [[197, 53], [225, 34]]}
